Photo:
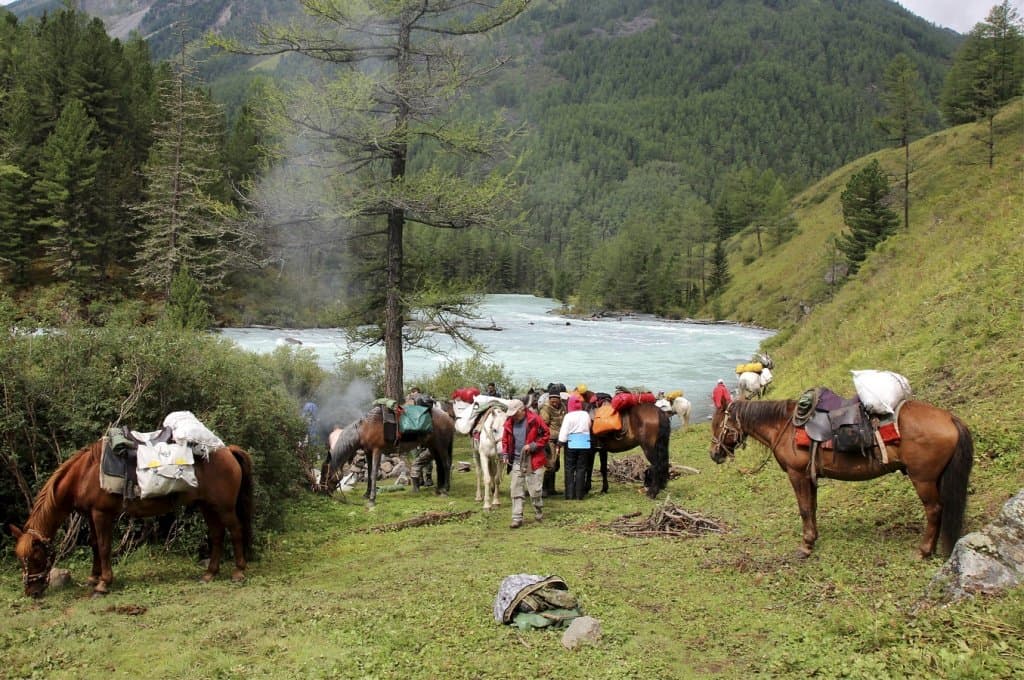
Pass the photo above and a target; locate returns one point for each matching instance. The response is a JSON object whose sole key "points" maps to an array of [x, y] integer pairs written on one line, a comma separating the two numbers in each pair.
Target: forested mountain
{"points": [[649, 132]]}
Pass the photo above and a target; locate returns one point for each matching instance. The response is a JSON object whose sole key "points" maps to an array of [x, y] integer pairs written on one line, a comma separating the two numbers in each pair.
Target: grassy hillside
{"points": [[941, 302]]}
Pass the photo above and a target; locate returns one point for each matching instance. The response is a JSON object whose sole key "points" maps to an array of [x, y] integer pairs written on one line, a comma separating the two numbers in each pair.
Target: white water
{"points": [[537, 347]]}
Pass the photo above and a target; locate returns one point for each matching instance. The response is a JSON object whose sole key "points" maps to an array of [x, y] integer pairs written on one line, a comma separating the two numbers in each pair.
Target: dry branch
{"points": [[667, 520], [425, 519]]}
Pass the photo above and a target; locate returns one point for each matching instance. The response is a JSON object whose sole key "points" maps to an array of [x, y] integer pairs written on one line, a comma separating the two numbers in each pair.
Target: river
{"points": [[536, 347]]}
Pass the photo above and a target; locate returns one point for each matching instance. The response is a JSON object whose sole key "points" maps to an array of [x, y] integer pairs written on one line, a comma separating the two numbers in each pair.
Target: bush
{"points": [[63, 389]]}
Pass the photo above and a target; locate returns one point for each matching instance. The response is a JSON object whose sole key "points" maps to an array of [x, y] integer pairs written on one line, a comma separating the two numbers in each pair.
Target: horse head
{"points": [[726, 434], [36, 554]]}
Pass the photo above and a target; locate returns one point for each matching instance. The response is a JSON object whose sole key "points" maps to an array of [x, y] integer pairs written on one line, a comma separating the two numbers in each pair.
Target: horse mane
{"points": [[347, 445], [45, 503], [756, 412]]}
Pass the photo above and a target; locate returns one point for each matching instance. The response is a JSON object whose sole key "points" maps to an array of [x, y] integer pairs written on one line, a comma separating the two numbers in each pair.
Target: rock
{"points": [[583, 630], [989, 561], [59, 578]]}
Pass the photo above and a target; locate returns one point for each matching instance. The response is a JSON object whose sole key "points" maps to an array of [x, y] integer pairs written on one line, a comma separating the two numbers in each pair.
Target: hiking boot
{"points": [[516, 523]]}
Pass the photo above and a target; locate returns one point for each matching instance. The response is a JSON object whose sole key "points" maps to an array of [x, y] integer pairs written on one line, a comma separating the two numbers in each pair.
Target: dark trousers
{"points": [[576, 473]]}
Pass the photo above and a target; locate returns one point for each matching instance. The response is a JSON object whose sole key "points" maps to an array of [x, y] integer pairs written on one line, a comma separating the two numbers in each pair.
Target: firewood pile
{"points": [[631, 469], [667, 520]]}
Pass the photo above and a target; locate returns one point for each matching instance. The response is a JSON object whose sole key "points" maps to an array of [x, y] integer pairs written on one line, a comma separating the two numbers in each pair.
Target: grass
{"points": [[327, 598]]}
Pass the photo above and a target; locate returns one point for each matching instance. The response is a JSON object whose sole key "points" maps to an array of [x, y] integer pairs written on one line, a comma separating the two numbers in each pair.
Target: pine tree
{"points": [[865, 203], [904, 105], [988, 70], [382, 115]]}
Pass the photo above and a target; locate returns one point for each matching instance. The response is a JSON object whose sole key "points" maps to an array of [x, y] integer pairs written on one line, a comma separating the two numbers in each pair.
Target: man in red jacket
{"points": [[523, 445], [721, 395]]}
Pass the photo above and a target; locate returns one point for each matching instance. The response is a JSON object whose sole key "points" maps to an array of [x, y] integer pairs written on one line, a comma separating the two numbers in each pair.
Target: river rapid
{"points": [[537, 346]]}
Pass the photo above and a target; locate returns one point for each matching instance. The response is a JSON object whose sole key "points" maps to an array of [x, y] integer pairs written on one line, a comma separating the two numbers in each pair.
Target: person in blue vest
{"points": [[309, 414]]}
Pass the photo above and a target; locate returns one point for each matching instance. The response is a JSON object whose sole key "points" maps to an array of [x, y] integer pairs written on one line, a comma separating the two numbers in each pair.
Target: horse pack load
{"points": [[151, 464], [881, 391], [606, 419], [415, 420]]}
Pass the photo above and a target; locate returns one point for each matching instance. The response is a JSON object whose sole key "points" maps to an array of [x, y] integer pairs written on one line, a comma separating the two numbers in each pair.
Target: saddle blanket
{"points": [[890, 435]]}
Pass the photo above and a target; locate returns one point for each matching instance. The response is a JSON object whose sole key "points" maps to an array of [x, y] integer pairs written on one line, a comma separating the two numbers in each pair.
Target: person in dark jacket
{"points": [[552, 412], [523, 446]]}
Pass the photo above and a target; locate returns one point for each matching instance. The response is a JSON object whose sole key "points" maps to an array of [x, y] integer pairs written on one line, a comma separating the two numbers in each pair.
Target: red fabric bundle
{"points": [[647, 398], [465, 394], [624, 400]]}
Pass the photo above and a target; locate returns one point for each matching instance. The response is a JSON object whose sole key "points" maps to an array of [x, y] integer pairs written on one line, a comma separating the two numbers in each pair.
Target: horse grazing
{"points": [[368, 435], [486, 454], [935, 451], [644, 425], [681, 407], [224, 495]]}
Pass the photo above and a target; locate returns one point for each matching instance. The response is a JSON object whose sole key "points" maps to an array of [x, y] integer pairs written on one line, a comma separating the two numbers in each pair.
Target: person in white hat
{"points": [[523, 446], [721, 395]]}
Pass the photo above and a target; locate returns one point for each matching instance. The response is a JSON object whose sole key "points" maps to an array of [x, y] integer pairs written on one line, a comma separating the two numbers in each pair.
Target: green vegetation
{"points": [[329, 598]]}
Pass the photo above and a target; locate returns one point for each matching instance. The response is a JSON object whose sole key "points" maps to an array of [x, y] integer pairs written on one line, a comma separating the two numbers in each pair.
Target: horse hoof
{"points": [[237, 576], [206, 578], [803, 553], [92, 581], [98, 594]]}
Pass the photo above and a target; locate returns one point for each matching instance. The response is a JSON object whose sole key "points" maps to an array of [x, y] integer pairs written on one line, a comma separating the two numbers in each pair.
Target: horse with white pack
{"points": [[675, 403], [478, 419]]}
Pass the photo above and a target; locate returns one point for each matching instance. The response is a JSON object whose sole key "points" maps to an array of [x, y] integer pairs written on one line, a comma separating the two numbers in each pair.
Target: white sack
{"points": [[165, 468], [881, 391]]}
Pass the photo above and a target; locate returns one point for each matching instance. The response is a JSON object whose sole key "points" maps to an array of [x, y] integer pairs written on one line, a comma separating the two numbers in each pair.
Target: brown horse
{"points": [[646, 426], [935, 451], [224, 495], [368, 435]]}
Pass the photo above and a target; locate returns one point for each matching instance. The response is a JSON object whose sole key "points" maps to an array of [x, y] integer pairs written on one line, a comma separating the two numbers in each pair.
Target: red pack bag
{"points": [[624, 400]]}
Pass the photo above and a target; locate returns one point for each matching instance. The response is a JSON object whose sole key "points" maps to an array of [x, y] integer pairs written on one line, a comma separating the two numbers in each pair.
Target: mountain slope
{"points": [[941, 302]]}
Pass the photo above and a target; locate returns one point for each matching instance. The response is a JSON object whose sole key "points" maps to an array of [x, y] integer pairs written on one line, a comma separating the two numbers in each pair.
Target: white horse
{"points": [[752, 385], [486, 455], [679, 406], [476, 420]]}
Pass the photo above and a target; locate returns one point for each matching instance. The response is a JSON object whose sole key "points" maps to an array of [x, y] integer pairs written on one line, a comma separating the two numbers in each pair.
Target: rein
{"points": [[44, 575], [726, 429]]}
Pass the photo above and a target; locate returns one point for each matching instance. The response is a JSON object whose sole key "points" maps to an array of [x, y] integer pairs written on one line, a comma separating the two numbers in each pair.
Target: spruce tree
{"points": [[66, 195], [184, 224], [865, 203]]}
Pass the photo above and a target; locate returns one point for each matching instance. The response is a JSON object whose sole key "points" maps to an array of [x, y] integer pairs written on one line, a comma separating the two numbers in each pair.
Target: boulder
{"points": [[989, 561], [583, 630]]}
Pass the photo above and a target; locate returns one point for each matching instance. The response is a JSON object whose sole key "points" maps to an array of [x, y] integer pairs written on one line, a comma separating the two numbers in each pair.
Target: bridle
{"points": [[728, 429], [29, 579]]}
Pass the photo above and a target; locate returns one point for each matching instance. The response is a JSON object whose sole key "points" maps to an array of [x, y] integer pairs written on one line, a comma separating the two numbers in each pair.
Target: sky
{"points": [[960, 15]]}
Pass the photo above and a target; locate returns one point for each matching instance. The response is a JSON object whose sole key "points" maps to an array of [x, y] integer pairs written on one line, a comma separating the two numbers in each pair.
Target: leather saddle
{"points": [[835, 422]]}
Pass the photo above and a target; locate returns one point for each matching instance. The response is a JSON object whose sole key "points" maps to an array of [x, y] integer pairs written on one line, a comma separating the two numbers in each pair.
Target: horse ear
{"points": [[15, 531]]}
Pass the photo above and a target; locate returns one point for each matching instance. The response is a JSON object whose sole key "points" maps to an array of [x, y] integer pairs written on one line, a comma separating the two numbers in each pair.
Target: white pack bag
{"points": [[164, 469], [189, 430], [881, 391]]}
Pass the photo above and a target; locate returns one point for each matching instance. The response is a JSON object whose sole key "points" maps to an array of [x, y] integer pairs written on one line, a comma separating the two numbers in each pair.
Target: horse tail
{"points": [[953, 487], [659, 457], [244, 506]]}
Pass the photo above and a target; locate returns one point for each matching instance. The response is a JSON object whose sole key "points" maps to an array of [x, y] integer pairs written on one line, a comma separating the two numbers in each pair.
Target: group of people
{"points": [[536, 441]]}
